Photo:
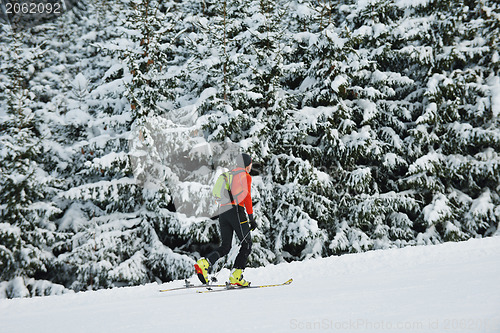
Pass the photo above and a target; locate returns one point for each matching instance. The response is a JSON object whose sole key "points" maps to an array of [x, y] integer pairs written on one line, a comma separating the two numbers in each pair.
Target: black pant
{"points": [[233, 219]]}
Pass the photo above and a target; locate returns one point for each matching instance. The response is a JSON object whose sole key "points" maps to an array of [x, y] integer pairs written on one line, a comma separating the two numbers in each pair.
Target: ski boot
{"points": [[236, 279], [201, 268]]}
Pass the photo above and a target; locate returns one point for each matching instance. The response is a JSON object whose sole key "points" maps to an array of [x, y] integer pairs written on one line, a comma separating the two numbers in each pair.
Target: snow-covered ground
{"points": [[453, 287]]}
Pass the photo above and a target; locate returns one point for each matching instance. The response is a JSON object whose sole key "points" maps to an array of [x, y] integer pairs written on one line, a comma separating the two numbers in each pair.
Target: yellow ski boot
{"points": [[201, 268], [236, 279]]}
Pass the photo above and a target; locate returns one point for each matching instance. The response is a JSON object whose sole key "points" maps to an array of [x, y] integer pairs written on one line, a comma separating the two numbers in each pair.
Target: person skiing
{"points": [[232, 218]]}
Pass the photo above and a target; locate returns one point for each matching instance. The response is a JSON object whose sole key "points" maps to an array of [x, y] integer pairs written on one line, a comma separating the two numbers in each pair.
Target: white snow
{"points": [[451, 287], [80, 83], [483, 205], [495, 95], [411, 3], [399, 3], [438, 210], [339, 81], [369, 109]]}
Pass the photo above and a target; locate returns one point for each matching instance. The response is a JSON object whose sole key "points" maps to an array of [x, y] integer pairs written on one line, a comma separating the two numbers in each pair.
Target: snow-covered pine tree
{"points": [[374, 150], [117, 221], [218, 74], [455, 166], [293, 190], [27, 187], [224, 79], [151, 34], [238, 81], [65, 95], [335, 115]]}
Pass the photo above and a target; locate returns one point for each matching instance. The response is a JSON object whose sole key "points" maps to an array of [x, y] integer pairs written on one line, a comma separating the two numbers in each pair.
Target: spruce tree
{"points": [[28, 209]]}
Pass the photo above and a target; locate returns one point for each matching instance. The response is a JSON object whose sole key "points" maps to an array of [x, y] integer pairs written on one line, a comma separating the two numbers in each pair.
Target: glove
{"points": [[253, 224]]}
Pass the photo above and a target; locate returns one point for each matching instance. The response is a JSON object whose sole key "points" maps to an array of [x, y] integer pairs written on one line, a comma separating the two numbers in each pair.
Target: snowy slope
{"points": [[452, 287]]}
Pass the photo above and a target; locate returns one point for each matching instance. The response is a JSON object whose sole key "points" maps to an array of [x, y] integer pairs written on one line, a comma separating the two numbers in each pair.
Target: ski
{"points": [[232, 287], [189, 285]]}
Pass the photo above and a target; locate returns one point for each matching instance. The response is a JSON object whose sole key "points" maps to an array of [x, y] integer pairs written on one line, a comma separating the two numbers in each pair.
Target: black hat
{"points": [[243, 160]]}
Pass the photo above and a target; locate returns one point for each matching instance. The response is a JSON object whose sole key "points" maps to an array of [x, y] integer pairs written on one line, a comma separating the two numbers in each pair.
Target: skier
{"points": [[232, 218]]}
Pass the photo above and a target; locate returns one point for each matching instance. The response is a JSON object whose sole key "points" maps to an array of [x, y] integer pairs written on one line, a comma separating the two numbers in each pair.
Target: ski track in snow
{"points": [[452, 287]]}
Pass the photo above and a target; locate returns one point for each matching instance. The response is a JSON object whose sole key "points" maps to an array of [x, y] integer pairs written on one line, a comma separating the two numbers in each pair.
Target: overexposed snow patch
{"points": [[426, 163], [483, 205], [112, 70], [77, 117], [438, 210], [369, 109], [310, 115], [411, 3], [429, 114], [307, 83], [339, 80], [80, 83], [494, 82]]}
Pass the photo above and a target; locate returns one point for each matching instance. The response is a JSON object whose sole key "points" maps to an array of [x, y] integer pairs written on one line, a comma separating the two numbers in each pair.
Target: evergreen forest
{"points": [[372, 124]]}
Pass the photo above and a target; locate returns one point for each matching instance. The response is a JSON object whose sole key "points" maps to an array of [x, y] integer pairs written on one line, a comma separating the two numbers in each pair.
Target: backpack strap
{"points": [[229, 181], [234, 173]]}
